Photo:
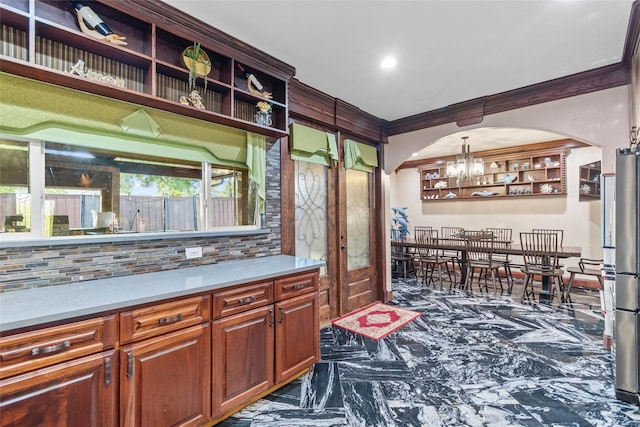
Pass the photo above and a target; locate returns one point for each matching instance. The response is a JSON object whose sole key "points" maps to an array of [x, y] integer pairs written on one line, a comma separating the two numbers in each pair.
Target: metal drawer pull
{"points": [[107, 371], [129, 365], [247, 300], [168, 320], [299, 286], [51, 349]]}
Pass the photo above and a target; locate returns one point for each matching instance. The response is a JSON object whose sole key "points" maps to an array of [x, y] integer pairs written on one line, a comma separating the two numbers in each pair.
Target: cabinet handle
{"points": [[51, 349], [271, 317], [247, 300], [299, 286], [107, 371], [281, 315], [168, 320], [129, 365]]}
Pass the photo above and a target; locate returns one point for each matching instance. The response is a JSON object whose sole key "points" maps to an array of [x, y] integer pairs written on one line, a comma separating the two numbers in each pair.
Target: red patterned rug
{"points": [[376, 320]]}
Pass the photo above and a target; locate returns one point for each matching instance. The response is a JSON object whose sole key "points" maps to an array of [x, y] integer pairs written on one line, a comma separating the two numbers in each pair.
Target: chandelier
{"points": [[465, 166]]}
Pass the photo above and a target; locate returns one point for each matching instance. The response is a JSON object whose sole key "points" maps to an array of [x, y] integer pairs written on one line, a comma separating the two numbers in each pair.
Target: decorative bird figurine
{"points": [[92, 25], [403, 222], [400, 211]]}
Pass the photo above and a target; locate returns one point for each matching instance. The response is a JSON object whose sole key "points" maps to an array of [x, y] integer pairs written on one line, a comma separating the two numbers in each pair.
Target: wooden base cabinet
{"points": [[243, 349], [184, 362], [82, 392], [165, 381], [297, 336], [258, 349]]}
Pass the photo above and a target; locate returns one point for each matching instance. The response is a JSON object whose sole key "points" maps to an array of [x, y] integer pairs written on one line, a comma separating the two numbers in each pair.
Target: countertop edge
{"points": [[15, 313]]}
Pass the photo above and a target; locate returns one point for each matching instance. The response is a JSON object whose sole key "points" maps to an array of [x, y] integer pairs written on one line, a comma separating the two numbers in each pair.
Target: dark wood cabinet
{"points": [[277, 341], [42, 40], [297, 340], [243, 355], [166, 380], [186, 361], [165, 374], [81, 392]]}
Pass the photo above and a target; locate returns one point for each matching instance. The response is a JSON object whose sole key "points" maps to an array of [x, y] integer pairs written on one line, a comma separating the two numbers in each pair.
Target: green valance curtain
{"points": [[256, 163], [360, 156], [32, 109], [312, 145]]}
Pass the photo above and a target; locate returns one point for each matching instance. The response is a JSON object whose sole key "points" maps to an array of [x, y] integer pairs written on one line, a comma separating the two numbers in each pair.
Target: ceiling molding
{"points": [[632, 41], [552, 90], [567, 143]]}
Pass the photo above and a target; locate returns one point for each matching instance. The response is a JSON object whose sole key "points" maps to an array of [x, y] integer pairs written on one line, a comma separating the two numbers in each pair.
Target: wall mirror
{"points": [[589, 182]]}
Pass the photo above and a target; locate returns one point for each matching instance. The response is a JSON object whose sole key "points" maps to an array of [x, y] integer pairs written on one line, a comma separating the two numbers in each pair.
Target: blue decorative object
{"points": [[450, 196], [508, 179], [402, 222], [483, 193]]}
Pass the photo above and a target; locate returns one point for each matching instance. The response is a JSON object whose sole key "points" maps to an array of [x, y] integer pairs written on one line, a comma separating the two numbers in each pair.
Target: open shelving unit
{"points": [[536, 173], [41, 39]]}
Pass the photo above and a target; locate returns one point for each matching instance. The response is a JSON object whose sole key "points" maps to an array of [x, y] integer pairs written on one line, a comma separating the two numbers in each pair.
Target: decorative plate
{"points": [[585, 189], [546, 188]]}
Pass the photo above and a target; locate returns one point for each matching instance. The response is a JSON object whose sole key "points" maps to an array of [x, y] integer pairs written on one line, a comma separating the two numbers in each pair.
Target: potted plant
{"points": [[198, 64]]}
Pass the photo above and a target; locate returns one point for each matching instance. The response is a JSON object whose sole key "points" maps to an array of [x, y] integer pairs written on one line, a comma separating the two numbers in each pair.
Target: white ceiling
{"points": [[448, 51]]}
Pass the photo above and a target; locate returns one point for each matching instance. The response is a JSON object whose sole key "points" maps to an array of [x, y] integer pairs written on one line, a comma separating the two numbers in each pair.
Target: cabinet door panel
{"points": [[166, 380], [242, 357], [77, 393], [297, 335]]}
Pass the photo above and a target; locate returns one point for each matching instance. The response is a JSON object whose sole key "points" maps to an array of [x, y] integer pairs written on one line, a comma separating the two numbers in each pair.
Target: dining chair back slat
{"points": [[559, 233]]}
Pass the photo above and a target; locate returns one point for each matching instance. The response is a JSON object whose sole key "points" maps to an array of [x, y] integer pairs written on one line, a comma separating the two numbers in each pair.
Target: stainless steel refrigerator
{"points": [[627, 265]]}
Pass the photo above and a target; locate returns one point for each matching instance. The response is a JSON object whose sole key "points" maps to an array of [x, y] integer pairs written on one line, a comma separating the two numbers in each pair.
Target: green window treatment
{"points": [[32, 109], [256, 162], [360, 156], [312, 145]]}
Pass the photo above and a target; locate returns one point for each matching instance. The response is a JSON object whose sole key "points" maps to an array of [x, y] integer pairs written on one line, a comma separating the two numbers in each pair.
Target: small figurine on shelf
{"points": [[193, 100], [92, 25]]}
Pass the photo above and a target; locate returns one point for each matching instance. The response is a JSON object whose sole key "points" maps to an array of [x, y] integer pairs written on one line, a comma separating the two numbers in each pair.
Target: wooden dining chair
{"points": [[479, 246], [503, 238], [540, 255], [559, 233], [414, 251], [402, 262], [454, 258], [430, 256], [586, 267]]}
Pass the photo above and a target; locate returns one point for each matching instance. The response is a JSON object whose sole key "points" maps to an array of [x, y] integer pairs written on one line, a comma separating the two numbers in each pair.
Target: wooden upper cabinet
{"points": [[46, 43]]}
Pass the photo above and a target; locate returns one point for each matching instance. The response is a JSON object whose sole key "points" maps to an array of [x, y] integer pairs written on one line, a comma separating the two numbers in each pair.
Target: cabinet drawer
{"points": [[162, 318], [37, 349], [288, 287], [240, 299]]}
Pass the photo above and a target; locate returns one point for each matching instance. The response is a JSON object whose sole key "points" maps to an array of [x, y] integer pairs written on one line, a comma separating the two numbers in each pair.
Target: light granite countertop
{"points": [[31, 307]]}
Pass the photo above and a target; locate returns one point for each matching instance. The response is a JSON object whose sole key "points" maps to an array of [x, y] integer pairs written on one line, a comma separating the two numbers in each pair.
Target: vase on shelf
{"points": [[263, 115]]}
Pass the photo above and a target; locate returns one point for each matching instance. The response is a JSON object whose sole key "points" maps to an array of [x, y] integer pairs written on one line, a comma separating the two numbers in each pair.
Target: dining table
{"points": [[500, 247]]}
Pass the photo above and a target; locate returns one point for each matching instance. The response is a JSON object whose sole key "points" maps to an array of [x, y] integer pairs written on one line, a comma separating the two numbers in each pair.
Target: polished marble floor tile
{"points": [[468, 360]]}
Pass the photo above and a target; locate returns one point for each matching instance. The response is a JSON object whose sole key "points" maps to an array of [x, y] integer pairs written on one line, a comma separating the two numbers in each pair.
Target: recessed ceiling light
{"points": [[388, 62]]}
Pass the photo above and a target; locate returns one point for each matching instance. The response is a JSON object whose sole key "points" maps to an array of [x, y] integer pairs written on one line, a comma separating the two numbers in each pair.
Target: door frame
{"points": [[332, 300]]}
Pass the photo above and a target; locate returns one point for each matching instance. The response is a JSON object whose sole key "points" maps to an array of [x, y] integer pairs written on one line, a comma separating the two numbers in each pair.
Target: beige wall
{"points": [[579, 220], [600, 119]]}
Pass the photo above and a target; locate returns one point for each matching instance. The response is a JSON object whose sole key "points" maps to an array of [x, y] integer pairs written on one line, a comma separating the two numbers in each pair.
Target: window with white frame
{"points": [[54, 189]]}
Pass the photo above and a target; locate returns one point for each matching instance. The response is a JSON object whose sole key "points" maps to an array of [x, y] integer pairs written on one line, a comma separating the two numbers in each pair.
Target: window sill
{"points": [[126, 237]]}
